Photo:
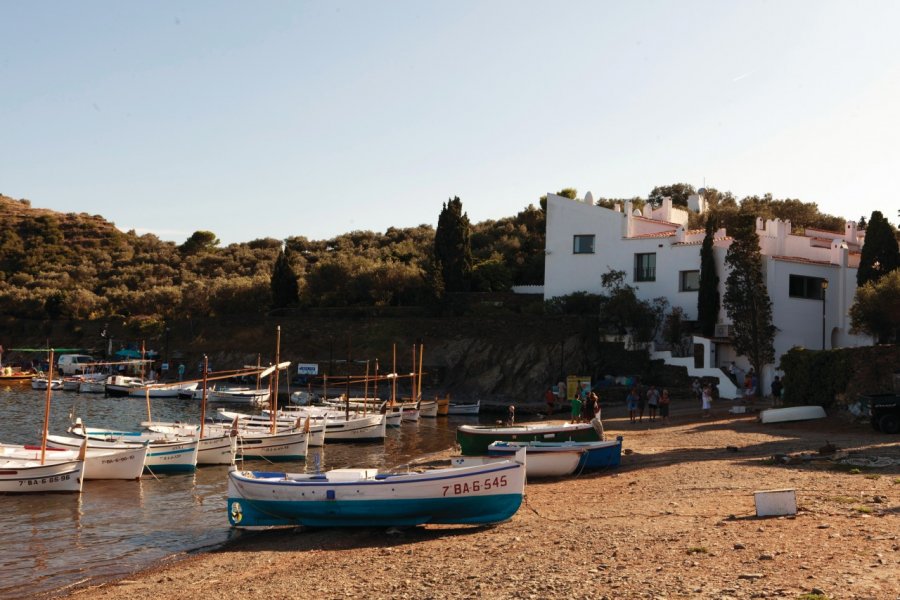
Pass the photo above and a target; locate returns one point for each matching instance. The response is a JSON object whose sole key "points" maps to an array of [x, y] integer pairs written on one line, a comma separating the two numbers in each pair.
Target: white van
{"points": [[71, 364]]}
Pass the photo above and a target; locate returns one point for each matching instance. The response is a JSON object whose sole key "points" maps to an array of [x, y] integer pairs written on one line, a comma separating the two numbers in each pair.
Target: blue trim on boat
{"points": [[474, 510], [269, 478]]}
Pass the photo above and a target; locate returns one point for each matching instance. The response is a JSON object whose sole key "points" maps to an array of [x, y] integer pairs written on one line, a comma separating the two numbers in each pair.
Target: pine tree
{"points": [[746, 297], [880, 253], [285, 289], [708, 301], [453, 248]]}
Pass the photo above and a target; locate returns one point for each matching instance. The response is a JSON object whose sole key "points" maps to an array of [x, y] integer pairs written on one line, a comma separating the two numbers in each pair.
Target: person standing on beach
{"points": [[652, 401], [707, 401], [776, 391], [181, 372], [632, 402], [698, 391], [576, 408], [664, 406], [550, 399]]}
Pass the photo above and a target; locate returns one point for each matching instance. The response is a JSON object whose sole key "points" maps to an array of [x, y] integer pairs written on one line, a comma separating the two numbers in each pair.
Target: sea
{"points": [[52, 542]]}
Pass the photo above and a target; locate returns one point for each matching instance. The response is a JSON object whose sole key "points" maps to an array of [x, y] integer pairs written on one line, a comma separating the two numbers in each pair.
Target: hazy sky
{"points": [[274, 119]]}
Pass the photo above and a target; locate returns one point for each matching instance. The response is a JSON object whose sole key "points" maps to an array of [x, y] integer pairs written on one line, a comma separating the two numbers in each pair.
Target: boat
{"points": [[165, 454], [428, 409], [338, 426], [14, 375], [39, 382], [791, 413], [475, 439], [464, 408], [595, 455], [538, 464], [481, 494], [30, 476], [126, 463], [239, 395], [443, 406]]}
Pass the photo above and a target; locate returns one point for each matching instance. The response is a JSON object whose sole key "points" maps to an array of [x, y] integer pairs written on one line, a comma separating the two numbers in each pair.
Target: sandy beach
{"points": [[676, 520]]}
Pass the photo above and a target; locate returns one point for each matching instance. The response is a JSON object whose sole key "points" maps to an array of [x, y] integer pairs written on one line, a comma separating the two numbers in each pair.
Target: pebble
{"points": [[766, 557], [751, 576], [739, 546]]}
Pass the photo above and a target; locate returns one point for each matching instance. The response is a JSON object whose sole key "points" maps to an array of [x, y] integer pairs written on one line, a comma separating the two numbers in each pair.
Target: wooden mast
{"points": [[274, 401], [394, 378], [419, 378], [366, 392], [47, 409], [203, 400], [347, 389]]}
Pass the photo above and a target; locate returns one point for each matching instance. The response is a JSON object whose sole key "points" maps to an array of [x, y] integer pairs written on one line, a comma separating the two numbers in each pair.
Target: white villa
{"points": [[811, 278]]}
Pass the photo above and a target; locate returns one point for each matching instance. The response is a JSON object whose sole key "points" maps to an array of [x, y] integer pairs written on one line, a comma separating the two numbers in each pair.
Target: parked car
{"points": [[71, 364]]}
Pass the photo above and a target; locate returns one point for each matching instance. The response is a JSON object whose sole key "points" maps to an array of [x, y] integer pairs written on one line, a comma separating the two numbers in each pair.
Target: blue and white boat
{"points": [[594, 455], [165, 454], [479, 494]]}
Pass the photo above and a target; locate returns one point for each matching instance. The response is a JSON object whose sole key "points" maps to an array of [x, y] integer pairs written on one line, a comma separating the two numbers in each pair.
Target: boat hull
{"points": [[464, 409], [474, 440], [792, 413], [29, 477], [126, 463], [474, 495]]}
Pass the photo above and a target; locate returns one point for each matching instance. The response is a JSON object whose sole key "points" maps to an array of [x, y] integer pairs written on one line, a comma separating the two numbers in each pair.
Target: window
{"points": [[688, 281], [583, 244], [800, 286], [645, 267]]}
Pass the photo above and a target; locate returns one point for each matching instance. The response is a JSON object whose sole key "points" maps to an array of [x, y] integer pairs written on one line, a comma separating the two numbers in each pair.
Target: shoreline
{"points": [[676, 520]]}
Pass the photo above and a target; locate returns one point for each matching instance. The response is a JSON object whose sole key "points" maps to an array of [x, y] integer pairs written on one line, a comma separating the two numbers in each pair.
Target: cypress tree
{"points": [[747, 298], [285, 289], [880, 254], [708, 301], [453, 248]]}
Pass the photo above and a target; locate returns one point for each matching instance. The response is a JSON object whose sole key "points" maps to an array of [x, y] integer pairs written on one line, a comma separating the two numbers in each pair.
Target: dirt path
{"points": [[677, 520]]}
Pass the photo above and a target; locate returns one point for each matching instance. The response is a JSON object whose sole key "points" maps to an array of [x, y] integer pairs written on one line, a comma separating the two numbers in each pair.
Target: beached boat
{"points": [[475, 439], [538, 464], [165, 454], [595, 455], [467, 408], [30, 476], [480, 494], [791, 413], [126, 463]]}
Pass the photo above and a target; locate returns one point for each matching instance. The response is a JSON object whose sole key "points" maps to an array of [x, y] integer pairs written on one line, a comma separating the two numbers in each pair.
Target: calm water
{"points": [[115, 527]]}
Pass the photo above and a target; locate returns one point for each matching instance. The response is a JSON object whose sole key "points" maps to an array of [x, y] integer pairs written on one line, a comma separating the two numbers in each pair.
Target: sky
{"points": [[279, 119]]}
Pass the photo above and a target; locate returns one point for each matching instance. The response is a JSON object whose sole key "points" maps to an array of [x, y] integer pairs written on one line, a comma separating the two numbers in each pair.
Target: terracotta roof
{"points": [[659, 234], [658, 221], [834, 233], [800, 259], [700, 242]]}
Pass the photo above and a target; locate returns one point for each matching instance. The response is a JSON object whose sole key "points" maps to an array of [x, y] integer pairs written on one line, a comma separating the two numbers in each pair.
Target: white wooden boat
{"points": [[538, 464], [30, 476], [479, 494], [127, 463], [165, 454], [469, 408], [410, 414], [792, 413], [91, 387], [428, 409], [218, 446], [595, 455], [244, 396], [40, 383]]}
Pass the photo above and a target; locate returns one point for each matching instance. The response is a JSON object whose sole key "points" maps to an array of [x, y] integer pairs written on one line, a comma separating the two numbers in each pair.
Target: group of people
{"points": [[652, 400]]}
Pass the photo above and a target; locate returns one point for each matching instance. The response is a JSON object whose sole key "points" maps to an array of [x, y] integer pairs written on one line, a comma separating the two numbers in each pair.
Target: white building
{"points": [[660, 257]]}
